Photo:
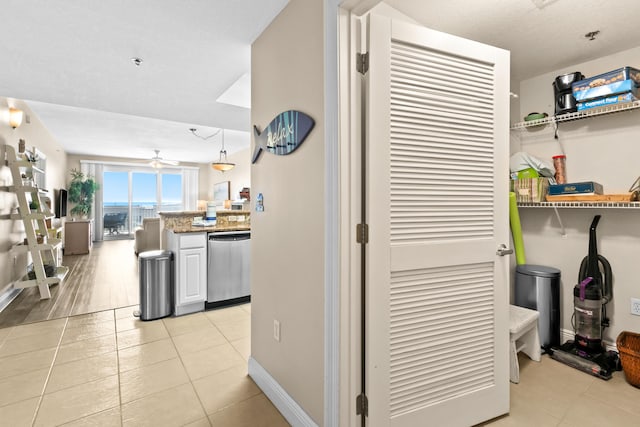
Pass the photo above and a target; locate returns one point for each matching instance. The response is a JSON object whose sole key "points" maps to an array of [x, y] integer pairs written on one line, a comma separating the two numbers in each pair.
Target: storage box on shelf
{"points": [[530, 190], [608, 101], [34, 211], [610, 83]]}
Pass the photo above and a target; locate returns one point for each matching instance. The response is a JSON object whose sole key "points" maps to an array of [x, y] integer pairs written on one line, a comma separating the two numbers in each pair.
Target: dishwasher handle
{"points": [[229, 237]]}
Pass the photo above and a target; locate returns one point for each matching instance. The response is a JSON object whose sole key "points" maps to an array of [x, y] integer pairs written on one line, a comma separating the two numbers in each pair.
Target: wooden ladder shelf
{"points": [[43, 249]]}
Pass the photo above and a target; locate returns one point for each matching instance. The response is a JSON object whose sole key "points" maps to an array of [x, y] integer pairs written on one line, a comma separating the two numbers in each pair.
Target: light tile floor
{"points": [[110, 369], [553, 394]]}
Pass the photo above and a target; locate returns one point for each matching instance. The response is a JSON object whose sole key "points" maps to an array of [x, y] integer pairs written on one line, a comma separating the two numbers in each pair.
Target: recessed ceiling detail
{"points": [[541, 4], [591, 35], [239, 93]]}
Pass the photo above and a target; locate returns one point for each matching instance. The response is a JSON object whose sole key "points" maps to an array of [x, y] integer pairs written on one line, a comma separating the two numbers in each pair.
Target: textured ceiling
{"points": [[542, 35], [78, 54]]}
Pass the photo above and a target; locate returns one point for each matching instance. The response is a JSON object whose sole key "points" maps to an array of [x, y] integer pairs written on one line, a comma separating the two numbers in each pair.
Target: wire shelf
{"points": [[578, 115], [589, 205]]}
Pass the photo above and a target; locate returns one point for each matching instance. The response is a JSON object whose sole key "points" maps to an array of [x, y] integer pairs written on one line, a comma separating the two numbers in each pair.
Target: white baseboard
{"points": [[568, 334], [288, 407], [7, 297]]}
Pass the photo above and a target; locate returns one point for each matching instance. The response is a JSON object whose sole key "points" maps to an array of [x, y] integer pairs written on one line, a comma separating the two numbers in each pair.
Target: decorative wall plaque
{"points": [[283, 135]]}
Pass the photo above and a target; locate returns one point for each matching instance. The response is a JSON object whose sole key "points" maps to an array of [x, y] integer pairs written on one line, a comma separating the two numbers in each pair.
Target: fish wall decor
{"points": [[283, 135]]}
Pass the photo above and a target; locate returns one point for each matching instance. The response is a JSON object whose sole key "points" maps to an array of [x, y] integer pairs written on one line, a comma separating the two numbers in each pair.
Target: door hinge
{"points": [[362, 405], [362, 233], [362, 62]]}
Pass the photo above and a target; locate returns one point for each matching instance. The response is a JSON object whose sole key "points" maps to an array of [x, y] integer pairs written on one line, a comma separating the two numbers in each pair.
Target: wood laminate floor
{"points": [[105, 279]]}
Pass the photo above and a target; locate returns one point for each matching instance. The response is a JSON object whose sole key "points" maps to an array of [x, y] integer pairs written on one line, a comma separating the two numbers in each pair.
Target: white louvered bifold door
{"points": [[437, 173]]}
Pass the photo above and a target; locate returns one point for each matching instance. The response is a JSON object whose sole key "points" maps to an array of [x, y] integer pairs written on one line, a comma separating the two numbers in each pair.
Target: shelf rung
{"points": [[61, 273], [51, 244]]}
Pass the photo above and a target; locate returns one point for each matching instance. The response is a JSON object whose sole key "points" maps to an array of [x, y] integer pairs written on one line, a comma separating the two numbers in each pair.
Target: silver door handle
{"points": [[503, 250]]}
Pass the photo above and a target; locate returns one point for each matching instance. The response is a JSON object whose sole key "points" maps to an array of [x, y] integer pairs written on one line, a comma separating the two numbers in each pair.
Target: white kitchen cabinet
{"points": [[190, 270]]}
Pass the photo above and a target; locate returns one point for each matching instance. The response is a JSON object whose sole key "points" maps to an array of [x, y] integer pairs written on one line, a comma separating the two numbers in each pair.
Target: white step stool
{"points": [[523, 334]]}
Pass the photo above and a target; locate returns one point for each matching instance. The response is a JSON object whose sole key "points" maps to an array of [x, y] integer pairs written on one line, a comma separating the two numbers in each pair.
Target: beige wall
{"points": [[240, 175], [287, 251], [603, 149], [34, 134]]}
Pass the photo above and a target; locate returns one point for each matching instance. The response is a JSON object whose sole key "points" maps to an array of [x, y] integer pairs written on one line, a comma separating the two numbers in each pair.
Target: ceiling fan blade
{"points": [[156, 161]]}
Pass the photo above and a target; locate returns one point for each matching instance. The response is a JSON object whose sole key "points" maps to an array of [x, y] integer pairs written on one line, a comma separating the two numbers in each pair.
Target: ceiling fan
{"points": [[157, 162]]}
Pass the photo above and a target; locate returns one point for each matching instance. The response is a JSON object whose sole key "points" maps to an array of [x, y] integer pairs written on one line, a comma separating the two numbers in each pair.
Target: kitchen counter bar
{"points": [[227, 220], [211, 229]]}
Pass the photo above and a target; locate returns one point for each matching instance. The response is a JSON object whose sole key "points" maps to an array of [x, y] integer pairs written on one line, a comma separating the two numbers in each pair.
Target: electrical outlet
{"points": [[635, 306], [276, 330]]}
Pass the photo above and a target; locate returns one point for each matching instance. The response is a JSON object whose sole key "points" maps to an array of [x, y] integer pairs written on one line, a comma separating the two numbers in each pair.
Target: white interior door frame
{"points": [[350, 106], [350, 137]]}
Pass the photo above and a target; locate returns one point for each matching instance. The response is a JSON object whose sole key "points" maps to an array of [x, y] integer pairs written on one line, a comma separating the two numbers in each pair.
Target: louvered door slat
{"points": [[443, 163], [432, 118]]}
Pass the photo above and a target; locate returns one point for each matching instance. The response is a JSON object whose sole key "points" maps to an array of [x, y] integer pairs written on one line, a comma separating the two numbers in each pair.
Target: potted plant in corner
{"points": [[81, 191]]}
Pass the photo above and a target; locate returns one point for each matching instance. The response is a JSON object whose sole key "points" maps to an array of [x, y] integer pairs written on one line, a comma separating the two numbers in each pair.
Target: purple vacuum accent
{"points": [[583, 286]]}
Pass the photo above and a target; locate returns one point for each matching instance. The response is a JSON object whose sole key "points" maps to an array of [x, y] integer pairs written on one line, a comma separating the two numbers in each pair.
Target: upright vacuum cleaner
{"points": [[590, 298]]}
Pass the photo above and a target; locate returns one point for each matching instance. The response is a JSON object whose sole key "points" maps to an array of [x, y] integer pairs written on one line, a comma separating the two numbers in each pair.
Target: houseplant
{"points": [[81, 191]]}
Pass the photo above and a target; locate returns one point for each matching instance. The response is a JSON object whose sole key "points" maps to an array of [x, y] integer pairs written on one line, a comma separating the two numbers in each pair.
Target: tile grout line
{"points": [[55, 304], [238, 352], [188, 376], [115, 326], [117, 365], [46, 382]]}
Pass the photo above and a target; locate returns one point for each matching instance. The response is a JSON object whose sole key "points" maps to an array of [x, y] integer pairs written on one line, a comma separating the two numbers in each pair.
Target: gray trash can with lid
{"points": [[156, 284], [538, 287]]}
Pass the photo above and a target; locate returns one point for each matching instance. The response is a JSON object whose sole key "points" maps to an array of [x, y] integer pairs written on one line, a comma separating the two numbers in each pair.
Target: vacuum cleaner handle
{"points": [[606, 282], [592, 268]]}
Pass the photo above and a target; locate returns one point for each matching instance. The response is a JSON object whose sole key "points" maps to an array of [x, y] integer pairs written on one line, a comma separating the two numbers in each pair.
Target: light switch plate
{"points": [[276, 330]]}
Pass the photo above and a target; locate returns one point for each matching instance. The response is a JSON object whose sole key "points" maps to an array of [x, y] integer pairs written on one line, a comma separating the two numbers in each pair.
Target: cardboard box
{"points": [[624, 86], [577, 188], [613, 76], [609, 100]]}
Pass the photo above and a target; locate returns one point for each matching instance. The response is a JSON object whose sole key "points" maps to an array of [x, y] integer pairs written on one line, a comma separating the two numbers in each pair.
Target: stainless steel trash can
{"points": [[156, 284], [538, 287]]}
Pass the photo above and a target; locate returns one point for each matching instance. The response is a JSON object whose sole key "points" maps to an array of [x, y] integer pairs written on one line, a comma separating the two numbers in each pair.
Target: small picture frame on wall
{"points": [[222, 191]]}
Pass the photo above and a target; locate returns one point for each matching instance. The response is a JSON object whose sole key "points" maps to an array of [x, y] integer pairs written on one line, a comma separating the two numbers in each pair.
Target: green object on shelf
{"points": [[535, 116], [528, 173], [516, 229]]}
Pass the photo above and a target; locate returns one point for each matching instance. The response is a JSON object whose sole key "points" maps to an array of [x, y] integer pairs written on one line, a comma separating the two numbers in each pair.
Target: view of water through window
{"points": [[129, 197]]}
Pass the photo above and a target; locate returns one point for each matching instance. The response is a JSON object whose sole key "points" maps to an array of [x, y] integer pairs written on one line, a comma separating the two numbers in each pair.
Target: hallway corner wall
{"points": [[287, 254]]}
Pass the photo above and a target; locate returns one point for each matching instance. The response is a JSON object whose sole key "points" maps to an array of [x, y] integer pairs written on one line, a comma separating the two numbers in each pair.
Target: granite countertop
{"points": [[228, 220], [210, 229], [181, 213]]}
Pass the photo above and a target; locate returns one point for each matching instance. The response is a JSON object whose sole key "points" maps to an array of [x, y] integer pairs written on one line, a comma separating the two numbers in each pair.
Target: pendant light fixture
{"points": [[222, 164], [15, 117]]}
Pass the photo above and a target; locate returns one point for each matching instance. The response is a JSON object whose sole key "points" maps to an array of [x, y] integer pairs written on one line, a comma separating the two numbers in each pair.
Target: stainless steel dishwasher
{"points": [[228, 268]]}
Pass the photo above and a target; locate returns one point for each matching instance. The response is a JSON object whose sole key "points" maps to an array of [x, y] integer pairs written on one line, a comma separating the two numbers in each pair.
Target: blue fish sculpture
{"points": [[283, 135]]}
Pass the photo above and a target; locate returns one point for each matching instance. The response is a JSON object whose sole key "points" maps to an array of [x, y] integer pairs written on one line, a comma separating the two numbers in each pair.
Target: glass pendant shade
{"points": [[15, 117], [222, 164]]}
